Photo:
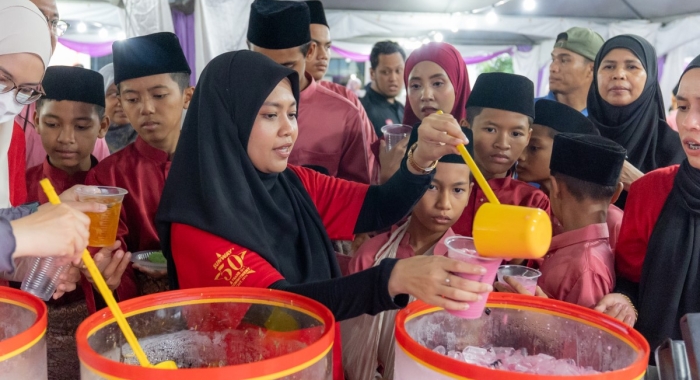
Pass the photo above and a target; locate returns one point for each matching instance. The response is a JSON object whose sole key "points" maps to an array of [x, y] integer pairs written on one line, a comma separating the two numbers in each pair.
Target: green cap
{"points": [[582, 41]]}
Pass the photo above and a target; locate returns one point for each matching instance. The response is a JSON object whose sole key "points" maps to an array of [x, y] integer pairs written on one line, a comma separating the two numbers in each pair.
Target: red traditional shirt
{"points": [[140, 169], [614, 222], [205, 260], [371, 136], [365, 256], [579, 267], [60, 180], [645, 201], [332, 135], [508, 191]]}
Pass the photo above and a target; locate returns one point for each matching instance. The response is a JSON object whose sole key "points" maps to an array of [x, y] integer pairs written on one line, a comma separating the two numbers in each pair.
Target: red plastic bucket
{"points": [[22, 335], [221, 333], [555, 328]]}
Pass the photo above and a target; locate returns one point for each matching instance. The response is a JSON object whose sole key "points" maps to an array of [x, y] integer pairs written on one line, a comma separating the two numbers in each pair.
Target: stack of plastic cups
{"points": [[44, 272]]}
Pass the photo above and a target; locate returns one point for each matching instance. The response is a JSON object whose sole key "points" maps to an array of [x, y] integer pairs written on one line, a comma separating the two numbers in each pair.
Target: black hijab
{"points": [[670, 284], [213, 185], [639, 127]]}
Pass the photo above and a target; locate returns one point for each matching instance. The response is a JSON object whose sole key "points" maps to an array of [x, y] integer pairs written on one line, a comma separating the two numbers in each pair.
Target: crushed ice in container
{"points": [[510, 359], [90, 190]]}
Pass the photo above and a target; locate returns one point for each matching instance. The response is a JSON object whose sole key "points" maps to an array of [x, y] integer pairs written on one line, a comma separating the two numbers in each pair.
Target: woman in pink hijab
{"points": [[436, 78]]}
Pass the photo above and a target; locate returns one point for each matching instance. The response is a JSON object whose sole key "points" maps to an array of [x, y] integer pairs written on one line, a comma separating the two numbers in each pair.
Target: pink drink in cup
{"points": [[462, 248], [525, 276]]}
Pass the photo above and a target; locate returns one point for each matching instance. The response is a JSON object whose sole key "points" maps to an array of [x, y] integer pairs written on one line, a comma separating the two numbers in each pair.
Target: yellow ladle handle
{"points": [[103, 288], [480, 179]]}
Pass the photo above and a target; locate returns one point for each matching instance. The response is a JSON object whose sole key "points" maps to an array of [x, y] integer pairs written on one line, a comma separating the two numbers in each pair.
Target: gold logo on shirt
{"points": [[231, 268]]}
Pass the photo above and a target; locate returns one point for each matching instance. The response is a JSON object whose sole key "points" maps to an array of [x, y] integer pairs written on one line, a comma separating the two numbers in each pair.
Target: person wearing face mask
{"points": [[28, 140], [626, 105], [25, 49]]}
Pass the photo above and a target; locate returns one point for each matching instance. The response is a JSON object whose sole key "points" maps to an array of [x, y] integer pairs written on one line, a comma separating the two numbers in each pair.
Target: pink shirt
{"points": [[614, 222], [332, 135], [369, 129], [579, 267], [36, 153], [364, 257]]}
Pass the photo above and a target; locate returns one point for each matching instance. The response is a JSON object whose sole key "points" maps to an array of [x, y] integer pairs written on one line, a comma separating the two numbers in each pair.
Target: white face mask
{"points": [[9, 108]]}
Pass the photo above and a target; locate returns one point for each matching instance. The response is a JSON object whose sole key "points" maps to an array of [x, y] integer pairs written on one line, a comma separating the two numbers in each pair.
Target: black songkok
{"points": [[75, 84], [509, 92], [449, 158], [589, 158], [318, 15], [278, 24], [562, 118], [152, 54]]}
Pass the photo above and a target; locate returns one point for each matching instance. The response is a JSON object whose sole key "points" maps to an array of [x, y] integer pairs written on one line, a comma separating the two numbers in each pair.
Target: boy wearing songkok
{"points": [[424, 233], [585, 172], [333, 137], [500, 112], [69, 118], [552, 118], [153, 89]]}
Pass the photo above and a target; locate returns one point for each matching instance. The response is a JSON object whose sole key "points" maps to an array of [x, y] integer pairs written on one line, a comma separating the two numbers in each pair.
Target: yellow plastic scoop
{"points": [[505, 230], [108, 297]]}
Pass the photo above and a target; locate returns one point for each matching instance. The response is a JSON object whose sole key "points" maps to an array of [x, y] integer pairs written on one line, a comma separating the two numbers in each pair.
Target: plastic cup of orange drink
{"points": [[103, 225]]}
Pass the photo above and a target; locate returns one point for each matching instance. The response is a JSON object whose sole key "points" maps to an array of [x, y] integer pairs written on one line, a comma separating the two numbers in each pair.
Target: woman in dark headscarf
{"points": [[656, 258], [234, 214], [626, 105]]}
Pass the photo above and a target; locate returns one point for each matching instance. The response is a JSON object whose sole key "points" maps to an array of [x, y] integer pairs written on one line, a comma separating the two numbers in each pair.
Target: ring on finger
{"points": [[447, 281]]}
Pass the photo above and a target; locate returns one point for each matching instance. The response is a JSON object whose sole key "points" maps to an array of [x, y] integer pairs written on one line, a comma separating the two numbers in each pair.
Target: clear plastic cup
{"points": [[527, 277], [393, 133], [103, 225], [462, 248], [43, 276]]}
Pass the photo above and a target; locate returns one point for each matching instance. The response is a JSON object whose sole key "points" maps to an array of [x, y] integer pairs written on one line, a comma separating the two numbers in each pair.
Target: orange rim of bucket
{"points": [[25, 340], [460, 370], [267, 369]]}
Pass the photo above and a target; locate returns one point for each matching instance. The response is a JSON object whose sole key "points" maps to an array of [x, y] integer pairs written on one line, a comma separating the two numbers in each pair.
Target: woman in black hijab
{"points": [[657, 256], [626, 105], [234, 214]]}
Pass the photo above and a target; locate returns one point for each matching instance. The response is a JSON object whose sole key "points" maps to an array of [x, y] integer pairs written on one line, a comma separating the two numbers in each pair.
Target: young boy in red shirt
{"points": [[552, 118], [585, 172], [500, 111], [424, 233], [69, 118], [152, 78]]}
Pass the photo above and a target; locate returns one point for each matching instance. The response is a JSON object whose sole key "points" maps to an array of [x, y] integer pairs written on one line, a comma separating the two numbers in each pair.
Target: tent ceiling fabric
{"points": [[599, 9]]}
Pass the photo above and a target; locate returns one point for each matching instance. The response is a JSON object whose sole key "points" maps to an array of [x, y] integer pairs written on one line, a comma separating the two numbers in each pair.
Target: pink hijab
{"points": [[451, 61]]}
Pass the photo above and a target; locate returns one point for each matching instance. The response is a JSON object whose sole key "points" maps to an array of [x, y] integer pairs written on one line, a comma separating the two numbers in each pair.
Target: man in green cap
{"points": [[571, 70]]}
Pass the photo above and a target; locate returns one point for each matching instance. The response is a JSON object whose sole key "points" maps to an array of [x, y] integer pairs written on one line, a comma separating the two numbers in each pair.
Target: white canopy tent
{"points": [[475, 27]]}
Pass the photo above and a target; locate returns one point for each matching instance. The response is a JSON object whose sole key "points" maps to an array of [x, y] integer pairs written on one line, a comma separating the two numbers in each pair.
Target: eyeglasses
{"points": [[25, 94], [58, 27]]}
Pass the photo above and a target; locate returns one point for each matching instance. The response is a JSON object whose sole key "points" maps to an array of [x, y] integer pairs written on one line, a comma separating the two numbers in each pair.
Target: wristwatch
{"points": [[417, 167]]}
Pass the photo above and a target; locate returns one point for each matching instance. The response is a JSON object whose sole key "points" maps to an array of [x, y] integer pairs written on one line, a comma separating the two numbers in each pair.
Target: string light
{"points": [[81, 27], [529, 5], [438, 37], [103, 33]]}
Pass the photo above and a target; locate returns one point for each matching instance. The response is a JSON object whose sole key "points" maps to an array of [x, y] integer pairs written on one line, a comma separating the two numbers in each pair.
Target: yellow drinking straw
{"points": [[107, 295], [483, 184]]}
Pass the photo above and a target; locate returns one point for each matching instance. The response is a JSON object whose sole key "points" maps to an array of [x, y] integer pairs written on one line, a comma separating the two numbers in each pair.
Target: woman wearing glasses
{"points": [[25, 50]]}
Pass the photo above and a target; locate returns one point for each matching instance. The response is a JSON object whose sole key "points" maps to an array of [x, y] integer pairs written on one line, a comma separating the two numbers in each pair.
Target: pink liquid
{"points": [[476, 308]]}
